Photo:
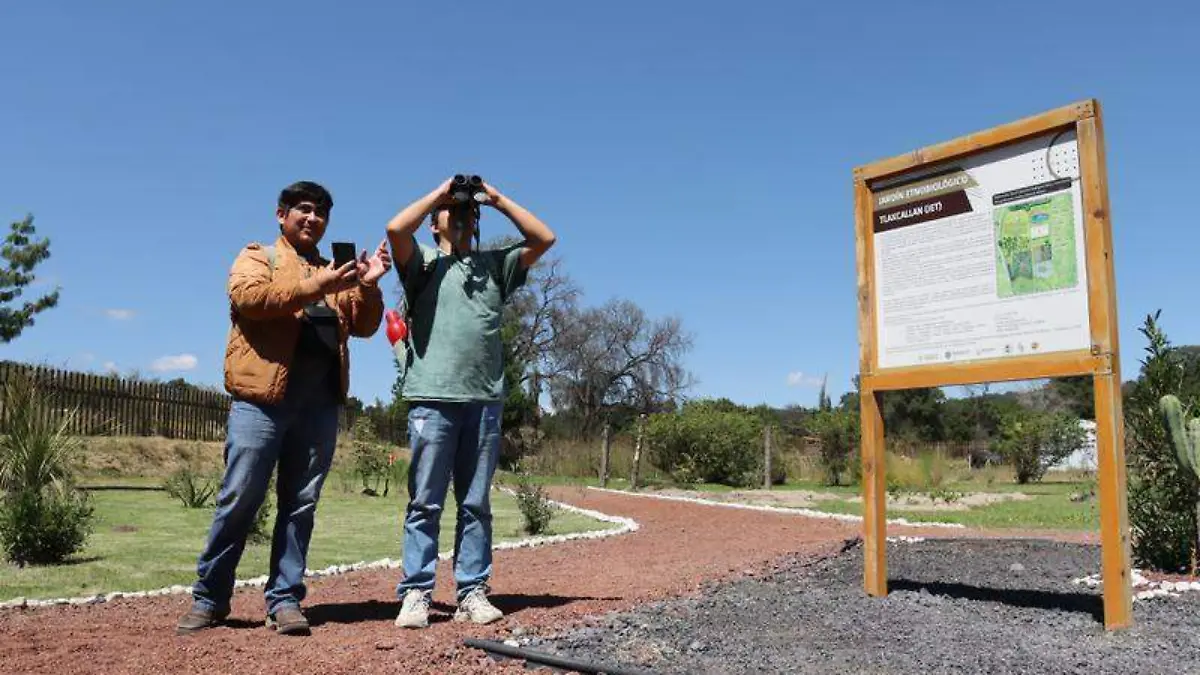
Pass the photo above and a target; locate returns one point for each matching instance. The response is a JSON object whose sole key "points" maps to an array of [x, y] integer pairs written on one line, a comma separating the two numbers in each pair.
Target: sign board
{"points": [[989, 258], [982, 258]]}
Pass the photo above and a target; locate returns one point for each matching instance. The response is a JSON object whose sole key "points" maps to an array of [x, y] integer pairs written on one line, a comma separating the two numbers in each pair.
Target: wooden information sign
{"points": [[988, 258]]}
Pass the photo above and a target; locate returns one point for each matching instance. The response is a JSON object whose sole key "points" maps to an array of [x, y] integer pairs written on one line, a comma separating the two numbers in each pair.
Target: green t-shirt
{"points": [[455, 306]]}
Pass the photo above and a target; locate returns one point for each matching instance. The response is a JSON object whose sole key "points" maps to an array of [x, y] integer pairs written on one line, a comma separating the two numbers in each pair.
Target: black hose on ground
{"points": [[547, 659]]}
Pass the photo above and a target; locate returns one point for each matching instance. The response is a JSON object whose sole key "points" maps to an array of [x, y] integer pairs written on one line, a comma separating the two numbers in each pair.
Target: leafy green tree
{"points": [[22, 252], [1074, 395], [914, 413], [839, 434], [1033, 440]]}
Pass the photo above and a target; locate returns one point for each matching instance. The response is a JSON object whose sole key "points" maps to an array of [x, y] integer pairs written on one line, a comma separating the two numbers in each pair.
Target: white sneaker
{"points": [[475, 607], [414, 611]]}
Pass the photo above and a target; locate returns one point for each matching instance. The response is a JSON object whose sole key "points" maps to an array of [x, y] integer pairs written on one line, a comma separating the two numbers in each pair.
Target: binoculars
{"points": [[467, 188]]}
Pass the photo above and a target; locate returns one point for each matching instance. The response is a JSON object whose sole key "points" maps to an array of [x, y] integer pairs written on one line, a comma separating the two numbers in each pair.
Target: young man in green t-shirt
{"points": [[454, 384]]}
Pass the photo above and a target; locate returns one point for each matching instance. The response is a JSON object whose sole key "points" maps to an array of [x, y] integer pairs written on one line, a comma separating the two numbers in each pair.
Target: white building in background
{"points": [[1083, 459]]}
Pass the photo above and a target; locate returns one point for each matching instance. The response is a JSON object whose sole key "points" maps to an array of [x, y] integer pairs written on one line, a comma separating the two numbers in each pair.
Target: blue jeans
{"points": [[299, 437], [462, 439]]}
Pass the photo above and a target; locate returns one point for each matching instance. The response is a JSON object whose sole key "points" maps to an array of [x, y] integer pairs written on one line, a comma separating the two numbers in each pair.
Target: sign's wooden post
{"points": [[1110, 417], [874, 477], [989, 258]]}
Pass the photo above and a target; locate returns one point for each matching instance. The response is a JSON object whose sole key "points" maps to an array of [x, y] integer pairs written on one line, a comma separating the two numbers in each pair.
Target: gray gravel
{"points": [[956, 606]]}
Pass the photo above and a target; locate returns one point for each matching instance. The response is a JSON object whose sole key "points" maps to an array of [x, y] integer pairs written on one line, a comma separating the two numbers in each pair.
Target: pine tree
{"points": [[21, 253]]}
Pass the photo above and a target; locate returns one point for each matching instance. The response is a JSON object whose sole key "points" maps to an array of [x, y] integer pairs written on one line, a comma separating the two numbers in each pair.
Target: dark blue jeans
{"points": [[463, 440], [296, 436]]}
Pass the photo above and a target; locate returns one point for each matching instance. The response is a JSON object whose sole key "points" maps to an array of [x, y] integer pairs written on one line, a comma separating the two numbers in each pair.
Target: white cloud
{"points": [[119, 314], [177, 362], [110, 367], [799, 379]]}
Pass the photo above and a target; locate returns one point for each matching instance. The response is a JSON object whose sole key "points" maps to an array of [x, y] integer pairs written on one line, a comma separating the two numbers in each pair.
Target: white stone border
{"points": [[624, 526], [1151, 589], [808, 513]]}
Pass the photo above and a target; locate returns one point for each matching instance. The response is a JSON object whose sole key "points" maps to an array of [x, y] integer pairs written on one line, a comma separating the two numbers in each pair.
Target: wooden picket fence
{"points": [[99, 405]]}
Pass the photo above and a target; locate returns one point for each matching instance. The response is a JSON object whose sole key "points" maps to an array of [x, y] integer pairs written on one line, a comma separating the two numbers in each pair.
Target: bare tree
{"points": [[614, 355], [543, 308]]}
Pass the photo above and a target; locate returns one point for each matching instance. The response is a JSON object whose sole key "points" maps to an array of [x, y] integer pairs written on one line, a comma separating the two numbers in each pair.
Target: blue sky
{"points": [[694, 159]]}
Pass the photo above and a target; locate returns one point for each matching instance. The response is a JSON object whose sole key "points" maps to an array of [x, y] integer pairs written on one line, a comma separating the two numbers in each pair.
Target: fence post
{"points": [[767, 457], [74, 404], [120, 404], [637, 451], [605, 453]]}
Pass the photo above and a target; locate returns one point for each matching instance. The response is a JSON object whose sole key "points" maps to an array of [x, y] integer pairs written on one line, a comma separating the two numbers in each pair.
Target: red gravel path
{"points": [[679, 546]]}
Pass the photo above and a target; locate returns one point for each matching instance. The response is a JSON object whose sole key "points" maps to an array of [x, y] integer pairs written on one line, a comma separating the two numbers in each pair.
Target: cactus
{"points": [[1185, 436]]}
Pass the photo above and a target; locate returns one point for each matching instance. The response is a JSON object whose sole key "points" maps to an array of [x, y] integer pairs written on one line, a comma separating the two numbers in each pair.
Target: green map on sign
{"points": [[1035, 246]]}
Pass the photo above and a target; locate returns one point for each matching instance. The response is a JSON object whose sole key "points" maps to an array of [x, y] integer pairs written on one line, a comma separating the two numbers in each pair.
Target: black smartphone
{"points": [[343, 252]]}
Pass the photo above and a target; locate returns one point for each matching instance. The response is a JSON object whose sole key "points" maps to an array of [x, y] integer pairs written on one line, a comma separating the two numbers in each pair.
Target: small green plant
{"points": [[190, 488], [945, 495], [536, 509]]}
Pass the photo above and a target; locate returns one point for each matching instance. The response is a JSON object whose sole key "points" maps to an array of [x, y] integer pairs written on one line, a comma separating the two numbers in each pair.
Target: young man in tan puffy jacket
{"points": [[286, 366]]}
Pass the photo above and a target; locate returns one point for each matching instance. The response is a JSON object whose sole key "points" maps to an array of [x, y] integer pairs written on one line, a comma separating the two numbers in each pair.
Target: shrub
{"points": [[933, 469], [838, 432], [1032, 441], [706, 444], [536, 509], [41, 527], [396, 472], [1161, 494], [190, 488], [43, 519], [371, 458]]}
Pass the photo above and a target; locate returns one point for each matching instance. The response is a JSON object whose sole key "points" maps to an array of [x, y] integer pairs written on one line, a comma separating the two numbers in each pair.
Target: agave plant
{"points": [[36, 452]]}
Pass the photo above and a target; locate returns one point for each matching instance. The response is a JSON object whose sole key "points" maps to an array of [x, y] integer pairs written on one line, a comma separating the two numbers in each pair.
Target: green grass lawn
{"points": [[1044, 511], [1049, 508], [145, 540]]}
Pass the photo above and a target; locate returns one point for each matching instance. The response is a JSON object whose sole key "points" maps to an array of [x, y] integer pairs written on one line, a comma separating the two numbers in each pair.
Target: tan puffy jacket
{"points": [[266, 305]]}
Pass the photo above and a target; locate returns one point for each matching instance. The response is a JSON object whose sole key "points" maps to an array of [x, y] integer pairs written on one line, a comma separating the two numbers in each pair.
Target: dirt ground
{"points": [[679, 547]]}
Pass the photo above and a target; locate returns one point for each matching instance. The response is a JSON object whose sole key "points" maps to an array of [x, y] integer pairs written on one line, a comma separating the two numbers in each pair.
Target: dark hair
{"points": [[305, 191], [433, 214]]}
